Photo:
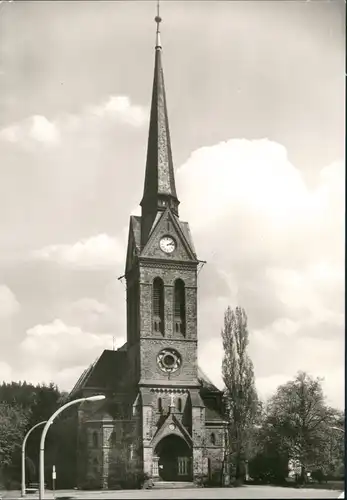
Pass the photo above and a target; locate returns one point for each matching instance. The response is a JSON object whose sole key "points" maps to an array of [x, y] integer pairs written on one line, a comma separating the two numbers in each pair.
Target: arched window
{"points": [[213, 438], [180, 307], [158, 305], [95, 439], [113, 439], [160, 405], [179, 404]]}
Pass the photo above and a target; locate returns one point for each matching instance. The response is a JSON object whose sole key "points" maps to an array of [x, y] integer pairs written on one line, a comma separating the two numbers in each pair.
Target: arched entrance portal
{"points": [[175, 459]]}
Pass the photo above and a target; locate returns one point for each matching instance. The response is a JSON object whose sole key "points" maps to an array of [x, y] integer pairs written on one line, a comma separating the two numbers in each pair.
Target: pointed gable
{"points": [[177, 429], [166, 224]]}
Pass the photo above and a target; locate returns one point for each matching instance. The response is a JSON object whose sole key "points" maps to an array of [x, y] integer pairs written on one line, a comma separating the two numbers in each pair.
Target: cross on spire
{"points": [[158, 21]]}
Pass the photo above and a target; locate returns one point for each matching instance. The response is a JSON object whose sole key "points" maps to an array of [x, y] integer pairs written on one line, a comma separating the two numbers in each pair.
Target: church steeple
{"points": [[159, 189]]}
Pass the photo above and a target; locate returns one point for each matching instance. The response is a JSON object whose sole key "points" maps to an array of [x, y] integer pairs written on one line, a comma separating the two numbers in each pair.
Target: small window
{"points": [[179, 404], [113, 439], [95, 439], [213, 438], [160, 405]]}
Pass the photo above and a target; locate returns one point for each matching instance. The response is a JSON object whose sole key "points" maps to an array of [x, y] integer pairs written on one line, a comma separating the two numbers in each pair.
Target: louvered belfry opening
{"points": [[158, 305], [180, 308]]}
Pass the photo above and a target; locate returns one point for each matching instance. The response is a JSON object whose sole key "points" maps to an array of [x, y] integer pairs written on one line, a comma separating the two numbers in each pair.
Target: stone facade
{"points": [[161, 416]]}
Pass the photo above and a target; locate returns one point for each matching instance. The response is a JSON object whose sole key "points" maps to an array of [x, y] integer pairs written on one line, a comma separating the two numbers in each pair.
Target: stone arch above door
{"points": [[172, 427]]}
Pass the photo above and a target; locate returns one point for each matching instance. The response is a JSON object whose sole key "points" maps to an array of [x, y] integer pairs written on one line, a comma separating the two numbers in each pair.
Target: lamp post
{"points": [[23, 454], [338, 429], [99, 397]]}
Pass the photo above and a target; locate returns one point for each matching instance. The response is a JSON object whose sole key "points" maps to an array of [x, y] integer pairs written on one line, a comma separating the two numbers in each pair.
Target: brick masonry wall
{"points": [[147, 459], [150, 371], [169, 274]]}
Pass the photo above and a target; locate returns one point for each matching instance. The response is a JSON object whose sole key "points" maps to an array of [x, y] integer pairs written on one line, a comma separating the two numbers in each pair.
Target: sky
{"points": [[255, 94]]}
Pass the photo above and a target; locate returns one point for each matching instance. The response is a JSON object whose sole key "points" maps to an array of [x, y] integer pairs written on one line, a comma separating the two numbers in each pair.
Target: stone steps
{"points": [[164, 485]]}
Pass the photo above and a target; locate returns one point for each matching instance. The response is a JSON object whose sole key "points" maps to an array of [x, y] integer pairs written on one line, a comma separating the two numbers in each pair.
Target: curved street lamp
{"points": [[338, 429], [99, 397], [23, 454]]}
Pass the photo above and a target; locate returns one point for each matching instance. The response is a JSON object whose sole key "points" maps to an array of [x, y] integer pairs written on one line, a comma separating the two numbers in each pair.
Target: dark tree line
{"points": [[23, 405]]}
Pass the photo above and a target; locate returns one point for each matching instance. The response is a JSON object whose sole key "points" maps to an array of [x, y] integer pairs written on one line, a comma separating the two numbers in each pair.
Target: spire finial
{"points": [[158, 21]]}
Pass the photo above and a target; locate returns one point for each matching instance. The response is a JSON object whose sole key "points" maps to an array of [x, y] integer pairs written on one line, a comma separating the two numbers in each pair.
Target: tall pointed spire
{"points": [[159, 190]]}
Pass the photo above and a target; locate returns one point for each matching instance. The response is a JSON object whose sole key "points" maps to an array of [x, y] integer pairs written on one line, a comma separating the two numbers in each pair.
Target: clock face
{"points": [[167, 244]]}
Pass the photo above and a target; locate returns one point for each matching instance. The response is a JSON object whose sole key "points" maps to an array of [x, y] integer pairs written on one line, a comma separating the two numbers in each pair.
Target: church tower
{"points": [[161, 267], [161, 275], [162, 416]]}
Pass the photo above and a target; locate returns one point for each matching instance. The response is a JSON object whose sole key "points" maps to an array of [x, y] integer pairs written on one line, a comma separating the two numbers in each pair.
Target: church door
{"points": [[174, 459]]}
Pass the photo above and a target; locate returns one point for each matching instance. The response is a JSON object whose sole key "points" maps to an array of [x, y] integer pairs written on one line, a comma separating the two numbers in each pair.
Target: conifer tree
{"points": [[240, 393]]}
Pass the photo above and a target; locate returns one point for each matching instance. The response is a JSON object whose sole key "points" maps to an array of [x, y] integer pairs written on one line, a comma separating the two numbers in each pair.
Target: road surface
{"points": [[256, 492]]}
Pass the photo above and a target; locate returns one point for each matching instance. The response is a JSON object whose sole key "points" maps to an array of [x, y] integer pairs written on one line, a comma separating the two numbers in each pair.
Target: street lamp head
{"points": [[337, 429], [98, 397]]}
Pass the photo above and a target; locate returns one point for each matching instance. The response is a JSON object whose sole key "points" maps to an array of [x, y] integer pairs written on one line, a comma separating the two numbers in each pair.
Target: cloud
{"points": [[9, 305], [274, 244], [39, 129], [94, 253], [59, 352], [36, 128], [278, 244], [62, 346], [94, 316], [120, 107]]}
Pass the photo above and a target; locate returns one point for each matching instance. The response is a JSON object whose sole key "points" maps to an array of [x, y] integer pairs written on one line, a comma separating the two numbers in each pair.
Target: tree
{"points": [[331, 463], [22, 406], [13, 421], [241, 399], [298, 421]]}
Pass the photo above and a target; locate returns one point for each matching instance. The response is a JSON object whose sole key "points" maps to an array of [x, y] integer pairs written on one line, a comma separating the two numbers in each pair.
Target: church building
{"points": [[162, 416]]}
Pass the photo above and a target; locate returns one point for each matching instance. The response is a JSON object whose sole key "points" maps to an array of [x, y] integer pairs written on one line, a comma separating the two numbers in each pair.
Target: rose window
{"points": [[169, 360]]}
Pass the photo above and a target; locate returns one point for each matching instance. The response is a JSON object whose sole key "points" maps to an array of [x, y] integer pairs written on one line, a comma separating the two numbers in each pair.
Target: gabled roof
{"points": [[206, 383], [186, 231], [105, 373], [136, 227]]}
